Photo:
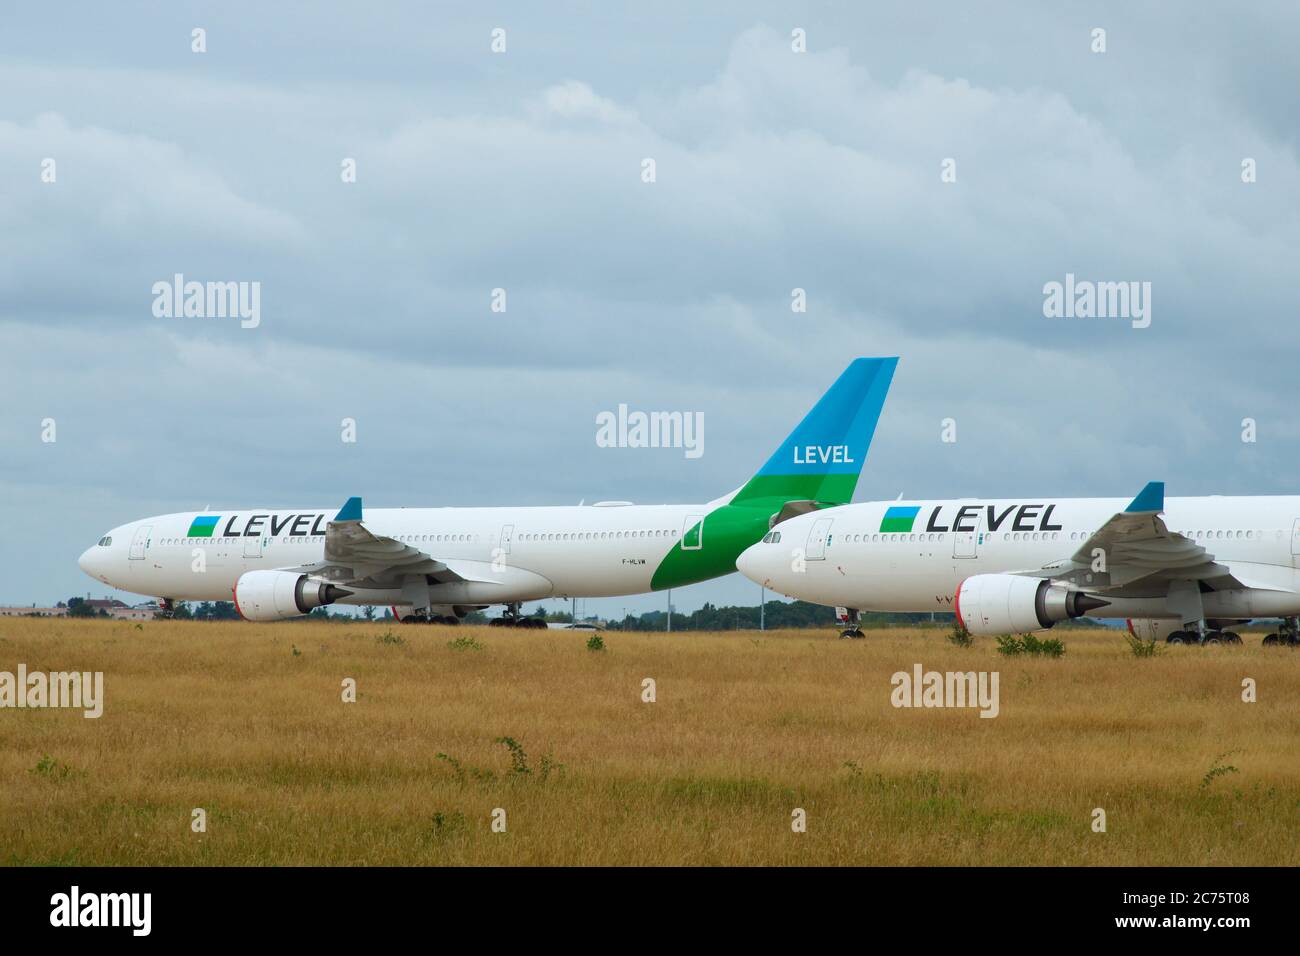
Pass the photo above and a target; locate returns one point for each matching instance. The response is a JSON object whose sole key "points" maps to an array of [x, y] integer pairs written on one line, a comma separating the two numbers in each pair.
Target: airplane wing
{"points": [[1136, 546], [356, 557]]}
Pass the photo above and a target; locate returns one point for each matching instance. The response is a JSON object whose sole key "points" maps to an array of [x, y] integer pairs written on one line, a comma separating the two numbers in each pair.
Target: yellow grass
{"points": [[746, 728]]}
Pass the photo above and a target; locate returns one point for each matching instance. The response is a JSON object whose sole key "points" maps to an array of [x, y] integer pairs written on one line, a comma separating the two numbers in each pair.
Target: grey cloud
{"points": [[775, 170]]}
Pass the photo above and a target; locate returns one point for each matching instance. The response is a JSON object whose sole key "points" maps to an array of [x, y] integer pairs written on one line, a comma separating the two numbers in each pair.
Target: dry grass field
{"points": [[247, 721]]}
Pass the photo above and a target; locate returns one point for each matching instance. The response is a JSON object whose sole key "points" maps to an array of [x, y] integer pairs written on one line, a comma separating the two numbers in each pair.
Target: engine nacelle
{"points": [[988, 604], [276, 595], [1152, 628]]}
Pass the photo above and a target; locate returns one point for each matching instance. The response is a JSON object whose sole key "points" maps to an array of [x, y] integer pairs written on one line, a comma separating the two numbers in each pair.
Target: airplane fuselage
{"points": [[913, 555], [577, 551]]}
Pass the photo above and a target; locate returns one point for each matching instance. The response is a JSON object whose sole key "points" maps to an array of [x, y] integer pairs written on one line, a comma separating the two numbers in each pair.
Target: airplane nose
{"points": [[91, 562], [750, 564]]}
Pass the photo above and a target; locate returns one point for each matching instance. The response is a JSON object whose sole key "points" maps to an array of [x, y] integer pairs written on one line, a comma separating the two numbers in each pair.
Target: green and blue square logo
{"points": [[203, 526], [899, 518]]}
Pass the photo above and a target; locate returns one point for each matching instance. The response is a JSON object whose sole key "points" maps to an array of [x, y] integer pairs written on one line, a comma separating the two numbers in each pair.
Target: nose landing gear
{"points": [[851, 630]]}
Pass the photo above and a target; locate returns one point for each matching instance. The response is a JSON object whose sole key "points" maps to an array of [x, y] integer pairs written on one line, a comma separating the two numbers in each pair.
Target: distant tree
{"points": [[368, 612], [216, 610], [224, 611], [181, 611], [776, 615], [77, 607]]}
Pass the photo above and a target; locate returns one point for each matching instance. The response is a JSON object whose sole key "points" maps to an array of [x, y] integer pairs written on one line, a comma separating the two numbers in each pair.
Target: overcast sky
{"points": [[522, 170]]}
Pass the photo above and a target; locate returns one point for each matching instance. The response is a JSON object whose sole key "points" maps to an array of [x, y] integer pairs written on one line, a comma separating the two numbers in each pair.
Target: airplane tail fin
{"points": [[822, 458]]}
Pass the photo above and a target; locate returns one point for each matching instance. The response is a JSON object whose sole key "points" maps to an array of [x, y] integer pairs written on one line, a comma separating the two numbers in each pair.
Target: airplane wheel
{"points": [[498, 622], [1231, 637], [1179, 637], [1271, 641], [1213, 638]]}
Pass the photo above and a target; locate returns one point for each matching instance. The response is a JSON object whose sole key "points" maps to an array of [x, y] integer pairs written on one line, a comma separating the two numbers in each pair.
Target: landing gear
{"points": [[423, 616], [1202, 637], [851, 630], [511, 617], [1205, 636], [1288, 634], [166, 609]]}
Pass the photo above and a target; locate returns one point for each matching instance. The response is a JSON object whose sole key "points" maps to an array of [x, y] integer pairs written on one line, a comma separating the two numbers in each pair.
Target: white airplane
{"points": [[1013, 566], [439, 563]]}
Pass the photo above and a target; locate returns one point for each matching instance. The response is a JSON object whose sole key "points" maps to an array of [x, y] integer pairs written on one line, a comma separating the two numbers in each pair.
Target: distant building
{"points": [[123, 611], [118, 610]]}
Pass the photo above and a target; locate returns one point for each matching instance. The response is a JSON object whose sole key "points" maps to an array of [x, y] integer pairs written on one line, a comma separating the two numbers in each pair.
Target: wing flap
{"points": [[354, 555], [1135, 546]]}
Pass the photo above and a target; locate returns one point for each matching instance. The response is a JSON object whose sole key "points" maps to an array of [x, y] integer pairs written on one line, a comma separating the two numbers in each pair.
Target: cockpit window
{"points": [[105, 541], [772, 537]]}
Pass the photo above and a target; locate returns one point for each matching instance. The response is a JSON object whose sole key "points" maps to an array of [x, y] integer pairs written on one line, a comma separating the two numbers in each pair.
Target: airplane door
{"points": [[253, 547], [1295, 544], [693, 533], [507, 536], [140, 542], [818, 537], [965, 544]]}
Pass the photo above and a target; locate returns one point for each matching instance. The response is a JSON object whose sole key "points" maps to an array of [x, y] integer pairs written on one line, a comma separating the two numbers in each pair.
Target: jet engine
{"points": [[1152, 628], [988, 604], [276, 595]]}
